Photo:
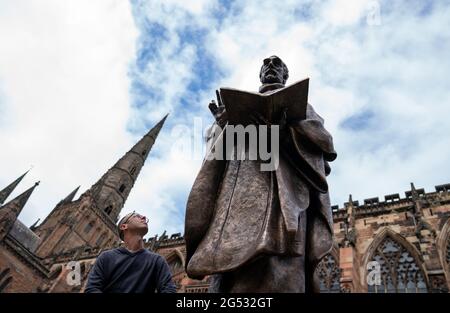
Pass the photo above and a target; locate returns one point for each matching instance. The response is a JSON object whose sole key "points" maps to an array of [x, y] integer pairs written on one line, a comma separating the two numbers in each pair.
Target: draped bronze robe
{"points": [[236, 213]]}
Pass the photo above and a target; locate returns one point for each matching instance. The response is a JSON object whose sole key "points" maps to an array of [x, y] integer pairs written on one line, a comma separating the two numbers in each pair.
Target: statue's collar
{"points": [[268, 87]]}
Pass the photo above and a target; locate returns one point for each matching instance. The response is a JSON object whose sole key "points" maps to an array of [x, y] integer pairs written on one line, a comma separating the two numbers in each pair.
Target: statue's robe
{"points": [[237, 213]]}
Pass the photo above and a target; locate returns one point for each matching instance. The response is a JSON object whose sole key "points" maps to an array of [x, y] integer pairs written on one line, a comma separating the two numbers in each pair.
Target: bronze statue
{"points": [[263, 231]]}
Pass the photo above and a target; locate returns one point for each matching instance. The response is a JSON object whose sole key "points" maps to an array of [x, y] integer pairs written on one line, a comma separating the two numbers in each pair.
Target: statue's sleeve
{"points": [[313, 131], [308, 147]]}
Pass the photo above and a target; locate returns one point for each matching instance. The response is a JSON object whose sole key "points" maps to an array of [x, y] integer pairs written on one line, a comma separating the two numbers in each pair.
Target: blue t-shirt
{"points": [[122, 271]]}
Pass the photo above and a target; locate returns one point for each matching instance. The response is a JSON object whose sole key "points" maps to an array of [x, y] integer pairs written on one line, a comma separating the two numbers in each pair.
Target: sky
{"points": [[81, 81]]}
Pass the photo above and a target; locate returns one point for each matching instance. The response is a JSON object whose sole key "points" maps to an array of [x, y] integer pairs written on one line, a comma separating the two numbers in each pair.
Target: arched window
{"points": [[329, 275], [144, 152], [122, 188], [398, 270], [133, 170], [88, 227]]}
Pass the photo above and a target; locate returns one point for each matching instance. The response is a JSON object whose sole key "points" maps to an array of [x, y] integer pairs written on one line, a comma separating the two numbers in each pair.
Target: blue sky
{"points": [[80, 82]]}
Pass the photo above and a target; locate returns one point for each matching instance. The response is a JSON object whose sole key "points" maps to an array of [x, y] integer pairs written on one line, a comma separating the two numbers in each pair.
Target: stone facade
{"points": [[404, 239]]}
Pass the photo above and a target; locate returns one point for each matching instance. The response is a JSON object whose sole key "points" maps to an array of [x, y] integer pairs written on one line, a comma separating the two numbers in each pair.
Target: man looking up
{"points": [[131, 268]]}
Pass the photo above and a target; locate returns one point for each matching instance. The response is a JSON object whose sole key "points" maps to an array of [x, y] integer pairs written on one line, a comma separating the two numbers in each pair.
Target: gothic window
{"points": [[122, 188], [88, 227], [108, 209], [329, 275], [398, 269], [5, 279], [133, 170]]}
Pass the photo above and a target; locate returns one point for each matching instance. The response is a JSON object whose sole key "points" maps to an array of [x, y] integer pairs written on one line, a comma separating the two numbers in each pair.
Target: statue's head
{"points": [[273, 71]]}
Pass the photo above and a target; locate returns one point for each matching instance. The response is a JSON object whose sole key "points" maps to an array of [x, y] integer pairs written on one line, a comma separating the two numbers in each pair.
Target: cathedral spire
{"points": [[112, 190], [11, 210], [4, 194], [70, 197]]}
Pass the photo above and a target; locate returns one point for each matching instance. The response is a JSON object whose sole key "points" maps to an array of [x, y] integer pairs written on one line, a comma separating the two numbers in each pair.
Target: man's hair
{"points": [[122, 220], [285, 71]]}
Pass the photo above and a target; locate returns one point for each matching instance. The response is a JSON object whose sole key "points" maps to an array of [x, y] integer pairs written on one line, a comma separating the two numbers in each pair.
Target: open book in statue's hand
{"points": [[242, 105]]}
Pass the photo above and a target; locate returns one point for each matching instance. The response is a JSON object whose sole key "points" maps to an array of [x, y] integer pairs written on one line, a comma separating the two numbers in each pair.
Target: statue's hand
{"points": [[219, 113]]}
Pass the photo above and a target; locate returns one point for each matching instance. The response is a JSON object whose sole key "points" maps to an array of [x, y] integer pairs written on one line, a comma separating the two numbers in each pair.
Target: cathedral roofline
{"points": [[393, 202]]}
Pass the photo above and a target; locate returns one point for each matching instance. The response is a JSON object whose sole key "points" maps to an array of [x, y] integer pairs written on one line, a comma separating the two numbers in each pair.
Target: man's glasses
{"points": [[134, 214]]}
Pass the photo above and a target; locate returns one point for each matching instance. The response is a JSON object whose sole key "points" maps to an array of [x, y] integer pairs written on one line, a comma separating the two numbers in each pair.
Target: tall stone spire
{"points": [[4, 194], [69, 198], [11, 210], [112, 190]]}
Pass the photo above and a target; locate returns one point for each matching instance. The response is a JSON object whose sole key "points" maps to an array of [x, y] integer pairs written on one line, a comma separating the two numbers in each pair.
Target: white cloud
{"points": [[63, 76], [346, 12]]}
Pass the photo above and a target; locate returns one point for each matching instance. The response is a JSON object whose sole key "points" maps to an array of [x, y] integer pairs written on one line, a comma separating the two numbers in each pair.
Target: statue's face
{"points": [[272, 71]]}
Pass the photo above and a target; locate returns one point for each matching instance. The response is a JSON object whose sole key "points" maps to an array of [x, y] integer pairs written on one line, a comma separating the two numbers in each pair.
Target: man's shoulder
{"points": [[153, 255], [106, 254], [155, 258]]}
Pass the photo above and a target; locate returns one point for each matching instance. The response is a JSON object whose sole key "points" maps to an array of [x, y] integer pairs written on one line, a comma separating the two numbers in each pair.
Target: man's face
{"points": [[272, 71], [137, 223]]}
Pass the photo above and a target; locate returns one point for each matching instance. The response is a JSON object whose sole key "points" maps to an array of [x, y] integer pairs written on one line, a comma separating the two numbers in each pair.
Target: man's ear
{"points": [[123, 226]]}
